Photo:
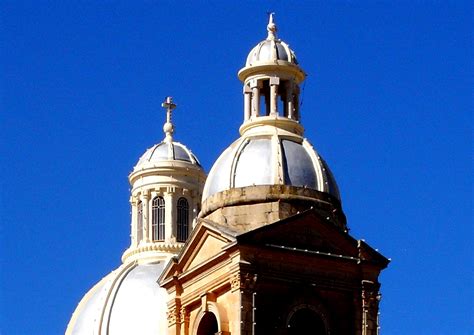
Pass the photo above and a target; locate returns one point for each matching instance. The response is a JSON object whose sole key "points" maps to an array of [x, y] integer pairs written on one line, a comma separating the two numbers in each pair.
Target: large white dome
{"points": [[126, 301], [270, 160]]}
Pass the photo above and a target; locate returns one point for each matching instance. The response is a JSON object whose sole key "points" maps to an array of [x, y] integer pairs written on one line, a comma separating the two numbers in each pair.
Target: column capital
{"points": [[242, 281], [171, 189], [274, 80]]}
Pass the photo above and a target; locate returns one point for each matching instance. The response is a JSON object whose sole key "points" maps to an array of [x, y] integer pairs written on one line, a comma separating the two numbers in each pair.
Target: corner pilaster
{"points": [[145, 197], [370, 298], [244, 283]]}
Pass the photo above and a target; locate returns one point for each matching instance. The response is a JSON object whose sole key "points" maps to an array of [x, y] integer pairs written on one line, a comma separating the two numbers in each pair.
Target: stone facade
{"points": [[258, 281]]}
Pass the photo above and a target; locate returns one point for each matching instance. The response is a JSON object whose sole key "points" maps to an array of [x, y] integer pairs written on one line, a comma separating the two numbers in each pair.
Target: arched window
{"points": [[208, 325], [306, 318], [158, 218], [139, 221], [183, 220]]}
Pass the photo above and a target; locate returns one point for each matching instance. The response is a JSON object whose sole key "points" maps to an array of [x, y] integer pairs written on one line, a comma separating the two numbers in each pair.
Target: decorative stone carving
{"points": [[184, 315], [184, 319], [239, 281], [370, 306], [173, 316]]}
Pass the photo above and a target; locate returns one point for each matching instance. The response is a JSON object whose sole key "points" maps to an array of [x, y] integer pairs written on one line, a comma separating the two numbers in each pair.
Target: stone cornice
{"points": [[167, 168], [132, 253]]}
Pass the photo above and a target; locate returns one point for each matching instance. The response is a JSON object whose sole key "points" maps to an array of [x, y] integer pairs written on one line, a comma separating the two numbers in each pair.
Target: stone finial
{"points": [[271, 28], [168, 127]]}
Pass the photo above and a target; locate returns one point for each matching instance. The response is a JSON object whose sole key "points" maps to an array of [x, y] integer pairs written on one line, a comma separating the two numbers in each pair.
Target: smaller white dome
{"points": [[168, 150], [271, 49], [165, 152]]}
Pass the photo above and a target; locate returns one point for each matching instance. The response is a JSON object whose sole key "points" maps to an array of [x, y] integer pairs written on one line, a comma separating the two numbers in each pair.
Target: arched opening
{"points": [[306, 319], [158, 219], [208, 325], [183, 220]]}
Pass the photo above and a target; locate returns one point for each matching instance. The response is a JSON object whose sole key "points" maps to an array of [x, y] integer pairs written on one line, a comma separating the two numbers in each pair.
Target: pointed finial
{"points": [[271, 27], [168, 127]]}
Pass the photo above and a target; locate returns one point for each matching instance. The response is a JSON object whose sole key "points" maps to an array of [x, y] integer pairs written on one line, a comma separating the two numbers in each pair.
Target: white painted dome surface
{"points": [[165, 152], [270, 51], [126, 301], [270, 160]]}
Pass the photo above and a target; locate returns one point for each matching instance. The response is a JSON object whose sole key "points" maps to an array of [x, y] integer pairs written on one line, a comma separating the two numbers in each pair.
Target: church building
{"points": [[258, 246]]}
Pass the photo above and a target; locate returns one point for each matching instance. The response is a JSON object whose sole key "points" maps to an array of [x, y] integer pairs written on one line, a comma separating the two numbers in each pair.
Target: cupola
{"points": [[165, 197], [272, 167], [271, 78]]}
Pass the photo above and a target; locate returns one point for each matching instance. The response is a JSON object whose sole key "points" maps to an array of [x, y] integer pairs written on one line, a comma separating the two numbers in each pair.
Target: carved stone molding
{"points": [[242, 281], [370, 297], [173, 316], [184, 315]]}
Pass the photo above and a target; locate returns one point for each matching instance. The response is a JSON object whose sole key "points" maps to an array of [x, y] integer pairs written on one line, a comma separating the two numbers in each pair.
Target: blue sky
{"points": [[387, 102]]}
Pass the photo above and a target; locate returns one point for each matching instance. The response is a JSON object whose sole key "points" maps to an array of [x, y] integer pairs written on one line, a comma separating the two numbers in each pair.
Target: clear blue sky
{"points": [[387, 102]]}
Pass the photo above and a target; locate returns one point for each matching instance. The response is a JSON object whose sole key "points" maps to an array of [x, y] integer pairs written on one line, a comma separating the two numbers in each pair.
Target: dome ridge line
{"points": [[107, 310]]}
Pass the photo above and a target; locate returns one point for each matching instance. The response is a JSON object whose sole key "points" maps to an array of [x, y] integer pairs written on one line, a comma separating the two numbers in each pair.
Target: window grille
{"points": [[183, 220], [158, 219]]}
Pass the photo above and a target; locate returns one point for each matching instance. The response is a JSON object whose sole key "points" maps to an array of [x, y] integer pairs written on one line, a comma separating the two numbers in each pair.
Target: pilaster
{"points": [[247, 102], [133, 221], [145, 197], [170, 198], [244, 283], [370, 298], [174, 317], [184, 320]]}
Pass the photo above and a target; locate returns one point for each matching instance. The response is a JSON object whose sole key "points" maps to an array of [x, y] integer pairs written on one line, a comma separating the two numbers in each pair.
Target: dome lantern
{"points": [[271, 78], [272, 168]]}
